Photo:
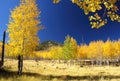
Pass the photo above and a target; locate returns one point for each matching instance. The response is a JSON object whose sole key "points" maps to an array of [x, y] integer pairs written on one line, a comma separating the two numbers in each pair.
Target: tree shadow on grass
{"points": [[8, 74]]}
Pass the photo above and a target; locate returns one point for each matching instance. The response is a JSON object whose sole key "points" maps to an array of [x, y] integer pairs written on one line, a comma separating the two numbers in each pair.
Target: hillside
{"points": [[47, 44]]}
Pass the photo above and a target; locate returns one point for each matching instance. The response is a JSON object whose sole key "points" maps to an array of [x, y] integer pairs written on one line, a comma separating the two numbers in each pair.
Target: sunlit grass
{"points": [[46, 70]]}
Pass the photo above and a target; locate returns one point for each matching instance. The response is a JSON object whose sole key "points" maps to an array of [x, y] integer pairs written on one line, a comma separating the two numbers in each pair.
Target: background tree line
{"points": [[70, 50]]}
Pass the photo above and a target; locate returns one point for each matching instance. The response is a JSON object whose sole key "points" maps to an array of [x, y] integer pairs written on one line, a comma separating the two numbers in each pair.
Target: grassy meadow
{"points": [[44, 70]]}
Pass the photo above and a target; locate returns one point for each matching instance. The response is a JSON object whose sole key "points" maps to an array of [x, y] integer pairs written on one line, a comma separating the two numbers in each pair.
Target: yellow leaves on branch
{"points": [[108, 8], [96, 21], [113, 16]]}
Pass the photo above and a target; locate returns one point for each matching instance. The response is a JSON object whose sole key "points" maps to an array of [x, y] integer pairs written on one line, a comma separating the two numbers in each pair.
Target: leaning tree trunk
{"points": [[20, 64], [3, 48]]}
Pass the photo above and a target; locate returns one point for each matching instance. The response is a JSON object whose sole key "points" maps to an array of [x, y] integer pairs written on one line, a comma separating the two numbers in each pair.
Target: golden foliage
{"points": [[23, 27], [95, 50], [82, 54], [108, 8]]}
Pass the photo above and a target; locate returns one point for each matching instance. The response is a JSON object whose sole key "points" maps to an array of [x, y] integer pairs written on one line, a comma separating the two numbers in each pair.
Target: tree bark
{"points": [[107, 62], [3, 48], [20, 64], [92, 62]]}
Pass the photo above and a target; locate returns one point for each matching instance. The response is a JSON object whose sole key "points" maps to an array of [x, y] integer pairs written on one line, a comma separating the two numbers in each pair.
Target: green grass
{"points": [[47, 71]]}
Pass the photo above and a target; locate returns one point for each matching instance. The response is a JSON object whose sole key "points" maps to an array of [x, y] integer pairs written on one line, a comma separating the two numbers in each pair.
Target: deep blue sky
{"points": [[60, 20]]}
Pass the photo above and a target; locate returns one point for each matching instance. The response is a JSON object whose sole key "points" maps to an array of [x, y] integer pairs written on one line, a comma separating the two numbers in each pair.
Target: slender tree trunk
{"points": [[3, 48], [92, 62], [85, 62], [108, 62], [100, 61], [20, 64], [96, 62], [59, 61], [72, 62]]}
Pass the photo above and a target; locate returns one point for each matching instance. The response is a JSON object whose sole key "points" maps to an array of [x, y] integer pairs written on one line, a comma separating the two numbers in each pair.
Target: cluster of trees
{"points": [[94, 50], [67, 51], [100, 50]]}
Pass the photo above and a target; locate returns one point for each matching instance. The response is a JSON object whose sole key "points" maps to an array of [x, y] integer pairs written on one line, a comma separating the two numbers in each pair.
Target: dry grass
{"points": [[46, 70]]}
